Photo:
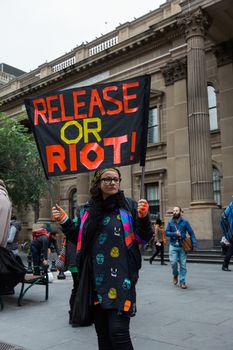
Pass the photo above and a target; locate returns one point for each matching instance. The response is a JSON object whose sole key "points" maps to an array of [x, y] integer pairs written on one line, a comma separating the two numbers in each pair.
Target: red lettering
{"points": [[95, 101], [39, 112], [55, 155], [52, 109], [91, 165], [73, 157], [63, 112], [112, 100], [127, 98], [116, 143], [78, 104]]}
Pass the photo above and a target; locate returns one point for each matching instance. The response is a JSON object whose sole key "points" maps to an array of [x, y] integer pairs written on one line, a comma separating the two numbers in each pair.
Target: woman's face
{"points": [[109, 183]]}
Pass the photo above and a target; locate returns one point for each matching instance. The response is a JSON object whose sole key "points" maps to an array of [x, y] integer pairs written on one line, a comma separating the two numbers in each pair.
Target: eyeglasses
{"points": [[109, 180]]}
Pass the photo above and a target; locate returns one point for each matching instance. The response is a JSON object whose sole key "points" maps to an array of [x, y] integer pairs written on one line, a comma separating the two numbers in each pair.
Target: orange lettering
{"points": [[73, 157], [127, 98], [52, 109], [64, 117], [113, 100], [55, 155], [116, 143], [95, 101], [78, 104], [91, 165], [39, 112]]}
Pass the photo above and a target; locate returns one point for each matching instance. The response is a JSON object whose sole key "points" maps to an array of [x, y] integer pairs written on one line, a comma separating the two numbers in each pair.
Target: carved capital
{"points": [[174, 71], [224, 53], [196, 23]]}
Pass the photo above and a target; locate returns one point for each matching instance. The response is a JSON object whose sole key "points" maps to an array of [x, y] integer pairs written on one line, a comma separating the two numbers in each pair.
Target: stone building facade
{"points": [[187, 49]]}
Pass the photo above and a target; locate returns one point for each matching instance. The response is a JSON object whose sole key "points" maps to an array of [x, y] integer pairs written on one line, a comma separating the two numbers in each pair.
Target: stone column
{"points": [[195, 26], [49, 199], [83, 184], [178, 164], [45, 209], [224, 56]]}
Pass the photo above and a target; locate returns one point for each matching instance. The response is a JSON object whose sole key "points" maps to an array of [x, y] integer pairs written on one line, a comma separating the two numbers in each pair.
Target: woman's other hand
{"points": [[58, 213], [143, 208]]}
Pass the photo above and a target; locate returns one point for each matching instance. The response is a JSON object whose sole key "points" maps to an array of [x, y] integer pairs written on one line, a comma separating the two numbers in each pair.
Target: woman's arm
{"points": [[68, 226]]}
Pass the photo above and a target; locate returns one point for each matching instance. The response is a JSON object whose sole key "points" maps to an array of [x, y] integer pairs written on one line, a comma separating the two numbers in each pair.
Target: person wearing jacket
{"points": [[13, 235], [176, 230], [226, 224], [159, 240], [5, 214], [106, 230], [39, 248]]}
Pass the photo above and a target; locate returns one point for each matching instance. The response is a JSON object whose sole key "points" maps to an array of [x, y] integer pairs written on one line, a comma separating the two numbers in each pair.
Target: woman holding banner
{"points": [[108, 230]]}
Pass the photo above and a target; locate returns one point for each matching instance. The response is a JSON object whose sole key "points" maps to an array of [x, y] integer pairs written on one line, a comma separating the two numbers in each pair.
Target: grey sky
{"points": [[36, 31]]}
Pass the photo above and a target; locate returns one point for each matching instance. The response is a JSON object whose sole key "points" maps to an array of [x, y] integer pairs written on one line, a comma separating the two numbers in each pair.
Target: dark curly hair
{"points": [[94, 189]]}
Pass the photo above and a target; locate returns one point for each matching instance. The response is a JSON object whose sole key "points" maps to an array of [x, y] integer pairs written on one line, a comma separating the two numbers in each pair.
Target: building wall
{"points": [[154, 44]]}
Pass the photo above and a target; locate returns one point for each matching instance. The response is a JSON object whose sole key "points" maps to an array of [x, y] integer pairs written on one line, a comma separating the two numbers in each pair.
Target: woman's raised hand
{"points": [[58, 213]]}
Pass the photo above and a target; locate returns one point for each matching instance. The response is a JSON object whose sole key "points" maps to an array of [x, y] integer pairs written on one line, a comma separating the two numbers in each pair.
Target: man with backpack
{"points": [[226, 224]]}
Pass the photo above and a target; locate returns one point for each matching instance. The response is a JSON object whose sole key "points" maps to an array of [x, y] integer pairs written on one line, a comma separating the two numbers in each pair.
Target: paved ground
{"points": [[168, 318]]}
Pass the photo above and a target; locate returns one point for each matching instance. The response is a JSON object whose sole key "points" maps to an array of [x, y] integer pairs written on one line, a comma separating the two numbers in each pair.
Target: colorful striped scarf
{"points": [[127, 222]]}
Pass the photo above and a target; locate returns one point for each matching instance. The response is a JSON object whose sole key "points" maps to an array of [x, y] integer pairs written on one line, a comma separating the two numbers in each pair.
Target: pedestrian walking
{"points": [[226, 223], [159, 241], [107, 248], [176, 230]]}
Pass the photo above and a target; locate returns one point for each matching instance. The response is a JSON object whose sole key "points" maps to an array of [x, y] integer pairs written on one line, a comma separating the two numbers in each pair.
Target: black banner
{"points": [[91, 127]]}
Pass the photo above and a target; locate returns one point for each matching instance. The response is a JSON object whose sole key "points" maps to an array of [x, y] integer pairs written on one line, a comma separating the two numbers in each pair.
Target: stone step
{"points": [[192, 260]]}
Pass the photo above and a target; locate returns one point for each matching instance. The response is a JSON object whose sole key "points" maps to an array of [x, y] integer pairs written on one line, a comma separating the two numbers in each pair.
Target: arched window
{"points": [[212, 104], [217, 186], [73, 203]]}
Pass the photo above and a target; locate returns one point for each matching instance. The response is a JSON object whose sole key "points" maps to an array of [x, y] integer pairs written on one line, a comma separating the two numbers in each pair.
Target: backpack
{"points": [[226, 221]]}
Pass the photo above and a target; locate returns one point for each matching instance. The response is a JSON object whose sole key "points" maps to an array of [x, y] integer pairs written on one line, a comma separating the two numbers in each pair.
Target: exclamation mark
{"points": [[133, 144]]}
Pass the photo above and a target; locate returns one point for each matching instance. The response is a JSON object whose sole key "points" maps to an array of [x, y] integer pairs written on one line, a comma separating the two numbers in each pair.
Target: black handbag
{"points": [[83, 304]]}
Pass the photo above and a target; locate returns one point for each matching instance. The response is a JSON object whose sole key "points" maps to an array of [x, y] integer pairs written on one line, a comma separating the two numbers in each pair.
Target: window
{"points": [[212, 104], [153, 128], [216, 186], [73, 203], [152, 196]]}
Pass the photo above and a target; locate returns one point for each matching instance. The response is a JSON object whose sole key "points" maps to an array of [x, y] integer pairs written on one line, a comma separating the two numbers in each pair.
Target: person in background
{"points": [[159, 241], [53, 246], [106, 232], [5, 214], [39, 249], [176, 230], [224, 245], [13, 235], [226, 224]]}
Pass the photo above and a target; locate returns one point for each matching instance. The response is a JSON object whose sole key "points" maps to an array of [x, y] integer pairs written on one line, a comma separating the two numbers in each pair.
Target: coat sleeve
{"points": [[71, 229], [45, 246], [169, 231], [191, 233]]}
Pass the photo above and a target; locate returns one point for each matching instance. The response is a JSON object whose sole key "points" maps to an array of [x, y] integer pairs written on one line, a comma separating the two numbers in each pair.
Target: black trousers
{"points": [[112, 330], [158, 248], [228, 255], [73, 294]]}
